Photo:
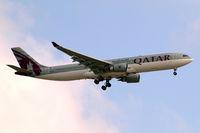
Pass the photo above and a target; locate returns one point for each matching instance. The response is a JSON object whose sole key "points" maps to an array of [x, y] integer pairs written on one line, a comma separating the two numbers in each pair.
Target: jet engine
{"points": [[119, 67], [131, 78]]}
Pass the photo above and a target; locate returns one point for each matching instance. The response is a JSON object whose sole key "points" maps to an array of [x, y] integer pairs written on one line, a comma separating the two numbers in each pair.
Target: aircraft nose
{"points": [[190, 60]]}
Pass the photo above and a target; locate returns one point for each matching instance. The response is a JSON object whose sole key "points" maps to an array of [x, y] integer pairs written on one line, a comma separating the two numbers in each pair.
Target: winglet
{"points": [[55, 44]]}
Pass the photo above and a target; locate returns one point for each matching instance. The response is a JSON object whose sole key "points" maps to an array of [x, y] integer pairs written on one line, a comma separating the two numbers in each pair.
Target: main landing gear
{"points": [[107, 84], [96, 81], [100, 78], [175, 73]]}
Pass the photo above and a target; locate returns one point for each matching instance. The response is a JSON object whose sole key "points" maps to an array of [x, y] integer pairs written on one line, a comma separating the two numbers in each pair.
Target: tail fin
{"points": [[26, 61]]}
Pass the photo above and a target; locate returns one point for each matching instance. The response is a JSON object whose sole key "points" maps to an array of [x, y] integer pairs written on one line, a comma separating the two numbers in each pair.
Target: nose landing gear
{"points": [[175, 73]]}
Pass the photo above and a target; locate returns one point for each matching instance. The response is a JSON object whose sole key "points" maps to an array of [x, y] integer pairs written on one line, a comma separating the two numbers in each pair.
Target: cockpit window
{"points": [[185, 55]]}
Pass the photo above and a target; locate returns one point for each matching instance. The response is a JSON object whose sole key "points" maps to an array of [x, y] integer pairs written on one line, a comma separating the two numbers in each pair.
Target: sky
{"points": [[104, 29]]}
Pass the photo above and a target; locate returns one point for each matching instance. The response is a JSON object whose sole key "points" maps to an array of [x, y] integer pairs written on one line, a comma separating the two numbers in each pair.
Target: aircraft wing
{"points": [[96, 65]]}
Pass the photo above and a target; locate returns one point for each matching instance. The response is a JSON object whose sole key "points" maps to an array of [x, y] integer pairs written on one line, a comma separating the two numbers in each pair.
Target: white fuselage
{"points": [[132, 68]]}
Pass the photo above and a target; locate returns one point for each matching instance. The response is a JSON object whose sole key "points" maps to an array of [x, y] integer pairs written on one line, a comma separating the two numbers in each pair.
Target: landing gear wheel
{"points": [[175, 73], [103, 87], [96, 81], [108, 84]]}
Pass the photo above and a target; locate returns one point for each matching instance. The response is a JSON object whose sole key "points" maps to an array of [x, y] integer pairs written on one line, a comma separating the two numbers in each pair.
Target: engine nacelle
{"points": [[119, 67], [131, 78]]}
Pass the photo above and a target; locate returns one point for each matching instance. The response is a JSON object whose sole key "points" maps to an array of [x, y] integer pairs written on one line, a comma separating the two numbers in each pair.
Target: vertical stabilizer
{"points": [[26, 61]]}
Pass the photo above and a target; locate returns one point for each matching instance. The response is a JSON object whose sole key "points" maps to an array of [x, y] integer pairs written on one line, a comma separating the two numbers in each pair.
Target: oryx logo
{"points": [[27, 63]]}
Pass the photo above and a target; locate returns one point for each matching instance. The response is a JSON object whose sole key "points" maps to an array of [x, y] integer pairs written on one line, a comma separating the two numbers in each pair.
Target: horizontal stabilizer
{"points": [[20, 71]]}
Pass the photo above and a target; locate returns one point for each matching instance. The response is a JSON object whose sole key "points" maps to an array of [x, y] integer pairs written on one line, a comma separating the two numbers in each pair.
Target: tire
{"points": [[103, 87], [96, 81], [108, 84], [175, 73]]}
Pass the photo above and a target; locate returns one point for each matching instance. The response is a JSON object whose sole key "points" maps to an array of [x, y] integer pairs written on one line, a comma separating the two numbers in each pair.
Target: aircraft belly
{"points": [[114, 74], [65, 76], [91, 75]]}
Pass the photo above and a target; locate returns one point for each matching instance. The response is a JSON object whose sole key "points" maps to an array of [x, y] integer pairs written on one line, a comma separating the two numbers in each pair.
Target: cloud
{"points": [[33, 105]]}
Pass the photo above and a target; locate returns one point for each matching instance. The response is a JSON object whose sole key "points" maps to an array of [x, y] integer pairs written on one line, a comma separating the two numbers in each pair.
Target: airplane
{"points": [[123, 69]]}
